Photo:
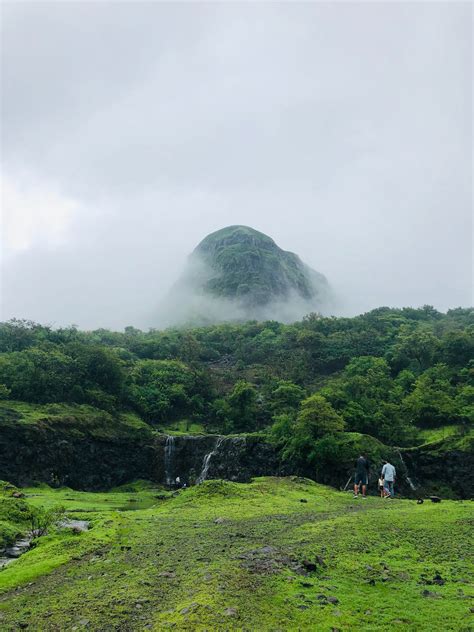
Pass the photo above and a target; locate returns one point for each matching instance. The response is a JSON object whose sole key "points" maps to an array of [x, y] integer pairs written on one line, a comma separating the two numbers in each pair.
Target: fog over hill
{"points": [[238, 273]]}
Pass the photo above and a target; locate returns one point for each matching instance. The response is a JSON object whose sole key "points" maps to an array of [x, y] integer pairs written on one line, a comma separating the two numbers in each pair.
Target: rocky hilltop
{"points": [[238, 273]]}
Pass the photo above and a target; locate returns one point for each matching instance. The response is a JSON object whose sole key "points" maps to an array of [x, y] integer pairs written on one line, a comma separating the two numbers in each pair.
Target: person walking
{"points": [[361, 477], [388, 474]]}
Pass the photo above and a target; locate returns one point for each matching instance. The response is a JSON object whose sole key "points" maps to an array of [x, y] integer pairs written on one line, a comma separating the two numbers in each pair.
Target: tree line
{"points": [[386, 373]]}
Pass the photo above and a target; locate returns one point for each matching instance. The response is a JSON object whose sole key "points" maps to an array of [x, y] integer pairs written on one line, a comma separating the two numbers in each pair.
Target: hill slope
{"points": [[238, 273]]}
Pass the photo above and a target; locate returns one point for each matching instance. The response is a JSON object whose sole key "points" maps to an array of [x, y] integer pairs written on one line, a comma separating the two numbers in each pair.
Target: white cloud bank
{"points": [[132, 130], [34, 213]]}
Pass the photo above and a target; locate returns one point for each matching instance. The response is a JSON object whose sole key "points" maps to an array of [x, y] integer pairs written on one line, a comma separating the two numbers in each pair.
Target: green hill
{"points": [[249, 265], [238, 273]]}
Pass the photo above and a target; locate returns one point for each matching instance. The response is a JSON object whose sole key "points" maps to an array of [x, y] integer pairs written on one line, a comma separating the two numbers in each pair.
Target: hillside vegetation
{"points": [[392, 374], [86, 409]]}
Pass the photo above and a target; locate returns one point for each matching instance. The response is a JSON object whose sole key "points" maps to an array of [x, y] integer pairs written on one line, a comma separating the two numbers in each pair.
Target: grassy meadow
{"points": [[275, 554]]}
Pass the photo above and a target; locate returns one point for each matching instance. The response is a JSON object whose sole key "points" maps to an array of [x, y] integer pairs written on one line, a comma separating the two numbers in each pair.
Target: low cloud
{"points": [[130, 132], [190, 302]]}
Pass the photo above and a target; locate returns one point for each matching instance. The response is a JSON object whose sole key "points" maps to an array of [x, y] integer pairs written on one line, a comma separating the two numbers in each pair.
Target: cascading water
{"points": [[408, 479], [207, 461], [169, 452]]}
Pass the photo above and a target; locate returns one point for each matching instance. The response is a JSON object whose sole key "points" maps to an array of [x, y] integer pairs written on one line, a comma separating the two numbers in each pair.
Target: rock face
{"points": [[238, 273], [197, 458], [32, 453], [447, 472], [64, 454], [59, 456]]}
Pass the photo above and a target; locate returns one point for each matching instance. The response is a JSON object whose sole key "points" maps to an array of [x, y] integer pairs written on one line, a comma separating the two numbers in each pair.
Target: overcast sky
{"points": [[130, 131]]}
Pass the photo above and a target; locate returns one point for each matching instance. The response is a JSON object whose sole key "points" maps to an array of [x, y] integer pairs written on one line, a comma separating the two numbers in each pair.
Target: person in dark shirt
{"points": [[361, 477]]}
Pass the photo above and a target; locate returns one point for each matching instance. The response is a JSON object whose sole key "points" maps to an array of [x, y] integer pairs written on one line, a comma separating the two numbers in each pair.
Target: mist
{"points": [[186, 306], [190, 302], [132, 130]]}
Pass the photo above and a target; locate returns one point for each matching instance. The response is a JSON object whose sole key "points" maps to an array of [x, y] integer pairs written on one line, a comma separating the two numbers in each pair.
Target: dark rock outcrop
{"points": [[68, 452], [64, 455], [32, 453], [195, 458], [442, 470]]}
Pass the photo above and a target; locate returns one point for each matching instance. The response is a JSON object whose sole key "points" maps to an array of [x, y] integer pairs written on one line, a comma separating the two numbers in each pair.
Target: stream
{"points": [[22, 545], [13, 552]]}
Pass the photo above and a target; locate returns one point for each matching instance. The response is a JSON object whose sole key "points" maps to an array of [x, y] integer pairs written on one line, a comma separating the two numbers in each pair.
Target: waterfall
{"points": [[169, 452], [409, 481], [207, 460]]}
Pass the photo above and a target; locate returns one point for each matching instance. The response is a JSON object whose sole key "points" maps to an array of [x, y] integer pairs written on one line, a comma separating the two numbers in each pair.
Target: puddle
{"points": [[129, 506], [136, 505], [77, 525]]}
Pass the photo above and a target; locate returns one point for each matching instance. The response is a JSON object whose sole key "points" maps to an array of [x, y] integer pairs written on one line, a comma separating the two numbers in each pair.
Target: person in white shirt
{"points": [[388, 474]]}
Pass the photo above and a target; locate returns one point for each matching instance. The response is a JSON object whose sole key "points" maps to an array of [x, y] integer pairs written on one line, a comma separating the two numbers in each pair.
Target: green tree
{"points": [[18, 335], [286, 396], [297, 437], [416, 349], [465, 403], [98, 368], [458, 347], [369, 399], [4, 392], [43, 519], [243, 408], [281, 431], [432, 402], [317, 418], [38, 375], [162, 390]]}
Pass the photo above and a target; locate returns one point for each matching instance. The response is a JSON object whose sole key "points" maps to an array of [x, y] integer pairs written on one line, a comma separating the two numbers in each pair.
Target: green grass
{"points": [[74, 418], [139, 495], [448, 438], [228, 556], [433, 435], [15, 515], [183, 427], [102, 510]]}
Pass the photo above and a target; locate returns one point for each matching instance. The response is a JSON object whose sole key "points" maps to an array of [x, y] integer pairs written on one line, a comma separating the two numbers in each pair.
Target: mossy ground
{"points": [[228, 556], [184, 427], [15, 515], [74, 418]]}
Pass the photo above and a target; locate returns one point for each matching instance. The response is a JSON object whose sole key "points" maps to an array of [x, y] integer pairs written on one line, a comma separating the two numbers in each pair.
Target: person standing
{"points": [[388, 474], [361, 477]]}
